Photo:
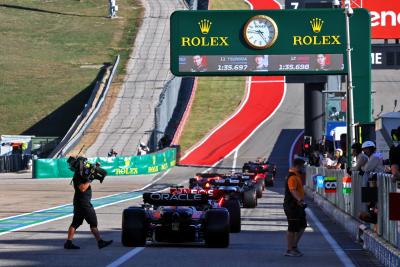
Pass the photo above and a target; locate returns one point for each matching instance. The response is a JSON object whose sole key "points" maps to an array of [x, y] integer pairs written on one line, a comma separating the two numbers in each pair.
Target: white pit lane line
{"points": [[126, 257], [335, 246], [328, 237]]}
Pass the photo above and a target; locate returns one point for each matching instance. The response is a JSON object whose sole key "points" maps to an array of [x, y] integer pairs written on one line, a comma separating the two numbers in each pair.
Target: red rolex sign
{"points": [[385, 18]]}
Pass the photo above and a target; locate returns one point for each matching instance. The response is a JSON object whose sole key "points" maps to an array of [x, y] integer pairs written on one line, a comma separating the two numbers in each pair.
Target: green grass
{"points": [[228, 4], [216, 97], [44, 50]]}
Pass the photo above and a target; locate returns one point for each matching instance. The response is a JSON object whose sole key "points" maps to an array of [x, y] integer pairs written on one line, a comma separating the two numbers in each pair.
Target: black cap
{"points": [[356, 146], [298, 162]]}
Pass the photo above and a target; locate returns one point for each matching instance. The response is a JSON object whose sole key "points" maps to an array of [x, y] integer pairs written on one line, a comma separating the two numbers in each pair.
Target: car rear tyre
{"points": [[133, 227], [249, 199], [216, 228], [259, 189], [233, 207]]}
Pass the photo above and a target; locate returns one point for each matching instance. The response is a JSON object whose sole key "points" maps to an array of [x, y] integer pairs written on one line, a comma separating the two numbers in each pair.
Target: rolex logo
{"points": [[316, 24], [205, 26]]}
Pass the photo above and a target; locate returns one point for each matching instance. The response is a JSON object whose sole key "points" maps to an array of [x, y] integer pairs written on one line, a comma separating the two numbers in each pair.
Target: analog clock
{"points": [[260, 32]]}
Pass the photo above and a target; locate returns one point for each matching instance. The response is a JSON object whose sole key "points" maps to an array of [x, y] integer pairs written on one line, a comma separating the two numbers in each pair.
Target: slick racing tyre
{"points": [[216, 228], [233, 207], [250, 199], [259, 188], [133, 227]]}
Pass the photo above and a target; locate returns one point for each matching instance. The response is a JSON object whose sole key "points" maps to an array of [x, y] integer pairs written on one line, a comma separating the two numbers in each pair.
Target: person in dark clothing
{"points": [[314, 159], [112, 153], [83, 209], [394, 154], [340, 160], [361, 158], [294, 207]]}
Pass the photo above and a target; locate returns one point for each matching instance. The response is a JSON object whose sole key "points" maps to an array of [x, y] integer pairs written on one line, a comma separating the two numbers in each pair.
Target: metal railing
{"points": [[351, 203]]}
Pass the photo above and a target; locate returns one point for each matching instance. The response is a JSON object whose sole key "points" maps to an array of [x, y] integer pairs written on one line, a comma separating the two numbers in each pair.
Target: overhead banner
{"points": [[115, 166], [260, 42], [274, 42], [385, 18]]}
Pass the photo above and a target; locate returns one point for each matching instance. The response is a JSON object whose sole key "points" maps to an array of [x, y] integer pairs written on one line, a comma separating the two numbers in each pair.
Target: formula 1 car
{"points": [[238, 186], [204, 180], [218, 199], [263, 170], [167, 217]]}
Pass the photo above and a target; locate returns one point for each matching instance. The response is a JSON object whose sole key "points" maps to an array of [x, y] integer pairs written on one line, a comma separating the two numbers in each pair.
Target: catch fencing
{"points": [[165, 109], [175, 94]]}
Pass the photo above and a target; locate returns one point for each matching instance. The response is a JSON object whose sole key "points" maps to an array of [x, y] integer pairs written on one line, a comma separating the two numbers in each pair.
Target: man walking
{"points": [[294, 207], [83, 209]]}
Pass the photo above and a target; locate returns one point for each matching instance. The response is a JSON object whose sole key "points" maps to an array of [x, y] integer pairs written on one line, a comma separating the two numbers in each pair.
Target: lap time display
{"points": [[261, 63]]}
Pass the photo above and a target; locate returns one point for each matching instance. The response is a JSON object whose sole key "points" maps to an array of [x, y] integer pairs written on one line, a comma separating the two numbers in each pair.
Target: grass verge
{"points": [[216, 97], [50, 54]]}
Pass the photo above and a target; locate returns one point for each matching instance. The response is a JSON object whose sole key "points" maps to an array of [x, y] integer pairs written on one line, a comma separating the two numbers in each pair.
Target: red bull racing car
{"points": [[176, 218], [218, 199]]}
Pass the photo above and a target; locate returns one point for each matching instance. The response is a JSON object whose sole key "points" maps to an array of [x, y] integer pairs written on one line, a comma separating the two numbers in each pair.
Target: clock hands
{"points": [[262, 35], [259, 32]]}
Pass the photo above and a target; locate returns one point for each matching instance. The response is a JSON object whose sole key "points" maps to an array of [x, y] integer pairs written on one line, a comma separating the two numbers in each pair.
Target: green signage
{"points": [[115, 166], [274, 42], [234, 38]]}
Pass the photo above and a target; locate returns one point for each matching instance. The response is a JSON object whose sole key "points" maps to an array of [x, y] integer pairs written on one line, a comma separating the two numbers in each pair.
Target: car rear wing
{"points": [[208, 175], [228, 182], [239, 176], [169, 199]]}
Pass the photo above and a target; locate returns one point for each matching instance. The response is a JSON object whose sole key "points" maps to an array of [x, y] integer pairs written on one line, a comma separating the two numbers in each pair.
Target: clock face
{"points": [[260, 32]]}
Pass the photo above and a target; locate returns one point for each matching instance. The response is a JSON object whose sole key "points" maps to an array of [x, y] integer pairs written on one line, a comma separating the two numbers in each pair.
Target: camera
{"points": [[87, 170]]}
